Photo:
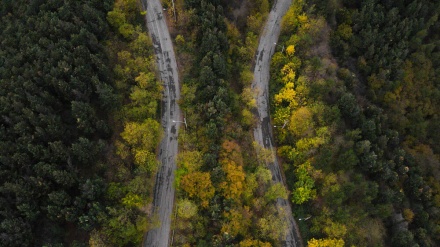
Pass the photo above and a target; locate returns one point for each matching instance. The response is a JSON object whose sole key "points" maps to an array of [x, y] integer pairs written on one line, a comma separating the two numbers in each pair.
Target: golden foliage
{"points": [[247, 117], [132, 200], [326, 242], [290, 50], [180, 40], [288, 95], [144, 135], [303, 19], [234, 184], [145, 159], [301, 122], [248, 97], [254, 243], [231, 151], [290, 20], [198, 185], [238, 221], [288, 71], [246, 78], [408, 215]]}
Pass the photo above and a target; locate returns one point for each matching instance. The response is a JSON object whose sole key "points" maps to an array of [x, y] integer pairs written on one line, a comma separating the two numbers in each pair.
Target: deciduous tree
{"points": [[198, 185]]}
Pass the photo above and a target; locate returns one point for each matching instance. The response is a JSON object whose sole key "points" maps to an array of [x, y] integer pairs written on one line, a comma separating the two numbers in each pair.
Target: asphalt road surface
{"points": [[166, 62], [263, 132]]}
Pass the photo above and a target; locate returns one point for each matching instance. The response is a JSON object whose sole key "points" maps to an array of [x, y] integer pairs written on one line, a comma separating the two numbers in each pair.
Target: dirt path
{"points": [[263, 132]]}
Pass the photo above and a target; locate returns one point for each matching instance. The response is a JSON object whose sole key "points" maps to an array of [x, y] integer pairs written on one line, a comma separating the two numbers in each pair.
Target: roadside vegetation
{"points": [[224, 193], [131, 158]]}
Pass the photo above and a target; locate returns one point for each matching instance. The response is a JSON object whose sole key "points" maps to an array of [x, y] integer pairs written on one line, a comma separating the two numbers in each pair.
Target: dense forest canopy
{"points": [[54, 94], [77, 92], [354, 96]]}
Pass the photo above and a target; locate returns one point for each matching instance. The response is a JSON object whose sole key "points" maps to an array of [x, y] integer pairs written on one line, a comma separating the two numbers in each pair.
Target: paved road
{"points": [[263, 132], [164, 191]]}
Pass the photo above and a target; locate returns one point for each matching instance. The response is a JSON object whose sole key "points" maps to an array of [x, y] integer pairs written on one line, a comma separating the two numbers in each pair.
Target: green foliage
{"points": [[276, 191], [216, 98], [116, 18], [370, 145], [290, 20], [403, 238], [142, 135], [55, 96], [186, 209], [304, 186], [389, 40], [301, 122], [344, 31], [137, 132], [123, 228], [349, 107], [272, 226]]}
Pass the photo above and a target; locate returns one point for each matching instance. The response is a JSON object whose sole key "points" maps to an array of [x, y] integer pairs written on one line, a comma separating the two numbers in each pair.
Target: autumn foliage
{"points": [[198, 185]]}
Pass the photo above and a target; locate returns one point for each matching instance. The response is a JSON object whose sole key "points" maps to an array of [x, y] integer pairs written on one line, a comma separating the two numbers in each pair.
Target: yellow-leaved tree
{"points": [[289, 71], [231, 151], [290, 50], [301, 122], [141, 139], [231, 161], [290, 20], [253, 243], [142, 135], [198, 185], [325, 242], [238, 221], [235, 176], [287, 95]]}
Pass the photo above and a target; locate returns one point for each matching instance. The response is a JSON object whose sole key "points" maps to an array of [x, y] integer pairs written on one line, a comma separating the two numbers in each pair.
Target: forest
{"points": [[79, 105], [358, 87], [354, 101], [55, 95]]}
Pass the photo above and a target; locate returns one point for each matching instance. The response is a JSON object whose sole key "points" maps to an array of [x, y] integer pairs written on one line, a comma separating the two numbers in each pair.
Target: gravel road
{"points": [[166, 62], [263, 132]]}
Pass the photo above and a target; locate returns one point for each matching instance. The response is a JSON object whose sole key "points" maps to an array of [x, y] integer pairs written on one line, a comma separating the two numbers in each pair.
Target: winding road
{"points": [[263, 132], [164, 191], [163, 201]]}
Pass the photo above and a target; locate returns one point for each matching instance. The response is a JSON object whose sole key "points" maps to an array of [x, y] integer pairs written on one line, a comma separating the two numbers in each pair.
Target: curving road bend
{"points": [[263, 132], [163, 201]]}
